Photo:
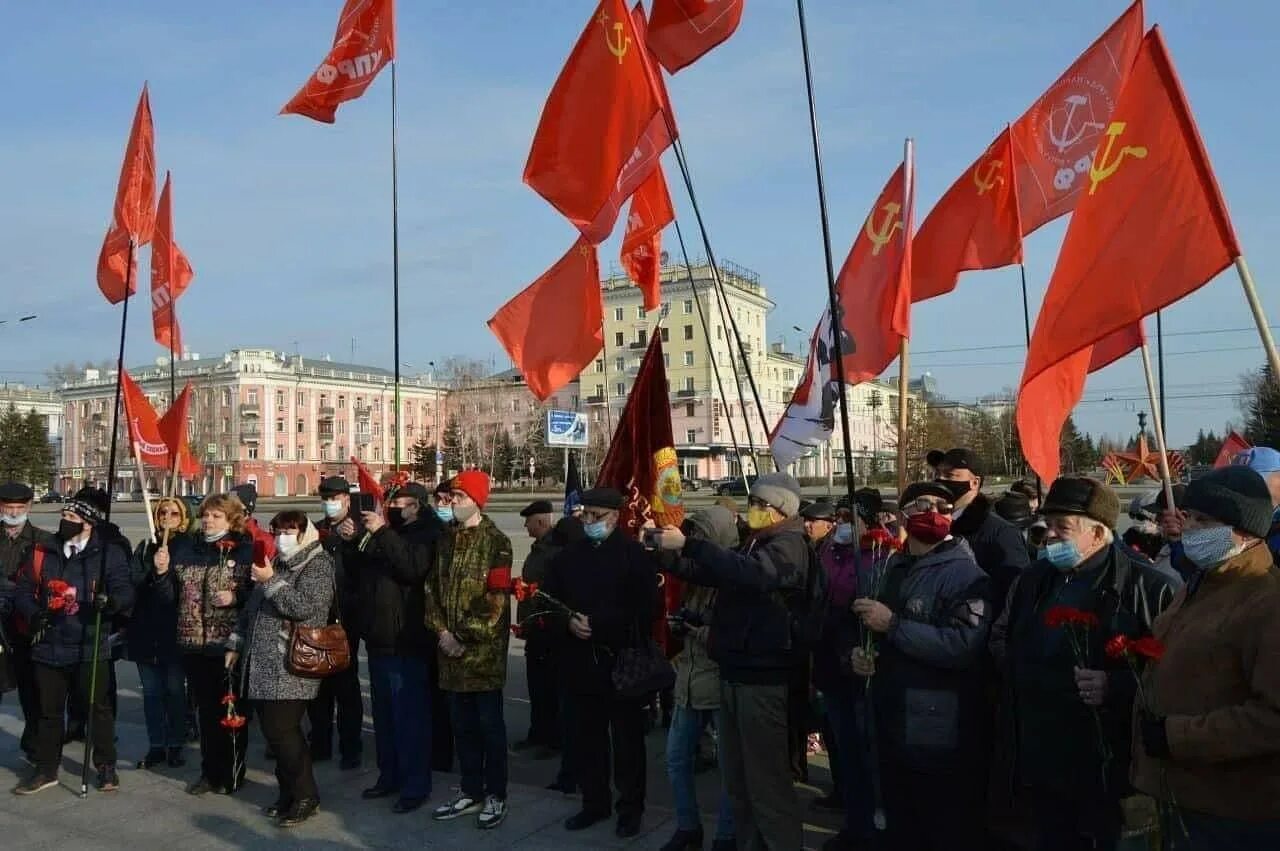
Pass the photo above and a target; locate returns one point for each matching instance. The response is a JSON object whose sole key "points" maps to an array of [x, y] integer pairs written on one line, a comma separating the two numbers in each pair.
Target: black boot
{"points": [[299, 812], [685, 840], [154, 757]]}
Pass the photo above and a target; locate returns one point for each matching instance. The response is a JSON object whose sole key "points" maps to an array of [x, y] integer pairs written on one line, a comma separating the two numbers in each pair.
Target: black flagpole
{"points": [[395, 265], [833, 297], [1026, 325], [111, 487]]}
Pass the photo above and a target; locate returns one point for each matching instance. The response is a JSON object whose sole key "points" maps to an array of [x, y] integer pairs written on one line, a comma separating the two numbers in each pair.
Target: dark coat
{"points": [[14, 552], [347, 562], [928, 682], [842, 629], [389, 601], [998, 546], [751, 625], [152, 634], [203, 570], [68, 639], [614, 583], [1051, 732]]}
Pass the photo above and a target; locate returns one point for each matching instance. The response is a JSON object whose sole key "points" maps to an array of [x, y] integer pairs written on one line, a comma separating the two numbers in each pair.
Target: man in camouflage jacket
{"points": [[467, 608]]}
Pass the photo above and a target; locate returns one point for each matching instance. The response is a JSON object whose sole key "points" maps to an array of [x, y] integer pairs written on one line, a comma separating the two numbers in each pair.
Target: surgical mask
{"points": [[759, 518], [929, 527], [463, 513], [332, 508], [14, 520], [395, 517], [68, 529], [597, 531], [843, 533], [1209, 547], [286, 542], [210, 537], [445, 513], [1063, 554]]}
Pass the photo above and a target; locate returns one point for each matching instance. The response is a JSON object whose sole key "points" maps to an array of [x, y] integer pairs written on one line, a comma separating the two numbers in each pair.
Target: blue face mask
{"points": [[1062, 554], [14, 520], [843, 533], [332, 508], [596, 531], [1208, 547], [445, 513]]}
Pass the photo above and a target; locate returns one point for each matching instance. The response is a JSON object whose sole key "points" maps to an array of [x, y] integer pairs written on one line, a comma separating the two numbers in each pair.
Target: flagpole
{"points": [[833, 297], [395, 264], [1255, 307], [1160, 364], [908, 159], [146, 493], [1157, 423], [1026, 310], [711, 355]]}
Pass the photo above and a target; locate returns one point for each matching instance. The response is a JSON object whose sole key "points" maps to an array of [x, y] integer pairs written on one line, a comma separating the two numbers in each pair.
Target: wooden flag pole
{"points": [[903, 365], [146, 493], [1157, 423], [1259, 318]]}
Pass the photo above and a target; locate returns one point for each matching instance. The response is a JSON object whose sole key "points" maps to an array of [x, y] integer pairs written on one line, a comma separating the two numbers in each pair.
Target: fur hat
{"points": [[1234, 495], [1083, 496]]}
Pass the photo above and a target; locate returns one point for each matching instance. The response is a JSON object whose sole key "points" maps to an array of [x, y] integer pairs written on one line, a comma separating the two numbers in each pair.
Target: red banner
{"points": [[365, 42]]}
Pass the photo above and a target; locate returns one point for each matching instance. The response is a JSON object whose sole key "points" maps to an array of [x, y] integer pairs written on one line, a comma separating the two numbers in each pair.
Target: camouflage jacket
{"points": [[457, 600]]}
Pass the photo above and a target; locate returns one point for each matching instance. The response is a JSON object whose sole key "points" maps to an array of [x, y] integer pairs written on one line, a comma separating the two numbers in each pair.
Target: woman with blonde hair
{"points": [[212, 570], [153, 637]]}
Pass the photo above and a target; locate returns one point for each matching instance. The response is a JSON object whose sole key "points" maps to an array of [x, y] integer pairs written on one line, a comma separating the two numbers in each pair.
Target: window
{"points": [[600, 390], [688, 305], [253, 453], [342, 402], [619, 340], [302, 452], [302, 399], [619, 364], [719, 332], [342, 452], [252, 397], [279, 426], [377, 453], [691, 436], [599, 364], [226, 396], [279, 453], [688, 332], [226, 425], [226, 453], [642, 336], [301, 426], [342, 428], [666, 335], [688, 384], [617, 314], [666, 310], [279, 398], [621, 389], [640, 311], [688, 358], [688, 409], [324, 453], [666, 360]]}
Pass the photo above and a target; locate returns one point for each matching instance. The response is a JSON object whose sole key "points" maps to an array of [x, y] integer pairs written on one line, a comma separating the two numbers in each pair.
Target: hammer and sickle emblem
{"points": [[619, 47], [986, 176], [889, 224], [1101, 168]]}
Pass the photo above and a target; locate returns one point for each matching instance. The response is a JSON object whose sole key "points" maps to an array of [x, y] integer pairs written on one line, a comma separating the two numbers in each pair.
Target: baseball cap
{"points": [[1261, 459]]}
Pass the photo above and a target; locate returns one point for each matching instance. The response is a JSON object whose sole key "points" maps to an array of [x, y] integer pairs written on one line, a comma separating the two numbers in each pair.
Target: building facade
{"points": [[45, 403]]}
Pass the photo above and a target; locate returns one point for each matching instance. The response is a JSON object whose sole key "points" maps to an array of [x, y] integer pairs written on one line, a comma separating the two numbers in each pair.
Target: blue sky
{"points": [[287, 222]]}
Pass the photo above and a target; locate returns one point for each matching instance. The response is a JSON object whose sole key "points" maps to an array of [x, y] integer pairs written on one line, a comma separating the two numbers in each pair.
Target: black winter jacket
{"points": [[751, 625], [998, 546], [928, 682], [390, 578], [152, 633], [13, 553]]}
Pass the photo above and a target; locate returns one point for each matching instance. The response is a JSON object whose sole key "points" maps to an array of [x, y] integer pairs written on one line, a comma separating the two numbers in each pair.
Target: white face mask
{"points": [[286, 542], [12, 520]]}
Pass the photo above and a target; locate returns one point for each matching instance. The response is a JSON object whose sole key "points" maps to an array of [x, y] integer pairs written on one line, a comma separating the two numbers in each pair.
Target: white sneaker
{"points": [[495, 810], [461, 805]]}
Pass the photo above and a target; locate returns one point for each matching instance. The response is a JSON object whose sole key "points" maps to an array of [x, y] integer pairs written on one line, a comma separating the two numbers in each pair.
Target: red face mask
{"points": [[928, 528]]}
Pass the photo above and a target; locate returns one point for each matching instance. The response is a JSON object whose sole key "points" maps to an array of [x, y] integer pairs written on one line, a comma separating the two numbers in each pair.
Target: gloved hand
{"points": [[1155, 736], [100, 601]]}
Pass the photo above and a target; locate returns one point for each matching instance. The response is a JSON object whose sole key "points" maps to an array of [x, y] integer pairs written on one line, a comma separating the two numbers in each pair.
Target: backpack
{"points": [[37, 573], [810, 606]]}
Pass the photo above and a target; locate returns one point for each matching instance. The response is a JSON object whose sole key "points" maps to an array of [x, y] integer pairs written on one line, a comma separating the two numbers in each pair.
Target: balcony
{"points": [[363, 439], [363, 412], [686, 394], [325, 412], [250, 432], [250, 410], [638, 345], [595, 400], [325, 435]]}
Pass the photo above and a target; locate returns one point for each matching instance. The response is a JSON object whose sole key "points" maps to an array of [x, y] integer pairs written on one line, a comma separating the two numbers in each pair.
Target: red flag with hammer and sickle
{"points": [[874, 286], [552, 328], [681, 31], [642, 246], [1150, 228], [604, 126], [170, 274], [1056, 139], [365, 42], [973, 226]]}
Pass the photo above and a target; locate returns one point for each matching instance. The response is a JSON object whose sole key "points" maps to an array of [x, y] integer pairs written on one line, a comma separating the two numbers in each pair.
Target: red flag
{"points": [[1116, 345], [170, 274], [144, 426], [117, 266], [1056, 139], [973, 226], [681, 31], [874, 286], [135, 205], [365, 42], [641, 461], [603, 127], [1151, 228], [173, 431], [367, 481], [642, 246], [1232, 446], [552, 328]]}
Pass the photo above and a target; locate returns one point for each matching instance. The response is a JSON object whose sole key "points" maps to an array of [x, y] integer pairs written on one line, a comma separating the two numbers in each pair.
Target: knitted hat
{"points": [[1085, 497], [780, 490], [248, 494], [474, 483], [90, 504], [1234, 495]]}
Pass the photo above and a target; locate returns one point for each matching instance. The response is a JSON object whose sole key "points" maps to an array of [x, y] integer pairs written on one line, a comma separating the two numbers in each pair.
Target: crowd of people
{"points": [[984, 672]]}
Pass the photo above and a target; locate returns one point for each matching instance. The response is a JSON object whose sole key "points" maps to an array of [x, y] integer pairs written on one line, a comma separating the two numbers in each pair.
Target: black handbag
{"points": [[642, 668]]}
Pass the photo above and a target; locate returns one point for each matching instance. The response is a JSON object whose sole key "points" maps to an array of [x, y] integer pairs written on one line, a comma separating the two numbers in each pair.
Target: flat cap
{"points": [[15, 492], [959, 458], [334, 485], [820, 510], [414, 490], [602, 498], [538, 506]]}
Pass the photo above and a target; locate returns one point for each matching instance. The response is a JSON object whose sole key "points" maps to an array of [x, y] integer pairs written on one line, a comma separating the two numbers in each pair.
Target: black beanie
{"points": [[1233, 495]]}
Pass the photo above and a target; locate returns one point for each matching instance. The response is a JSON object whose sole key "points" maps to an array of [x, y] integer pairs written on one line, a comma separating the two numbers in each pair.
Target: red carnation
{"points": [[228, 699], [1148, 648], [517, 630], [524, 590], [57, 603], [58, 587], [234, 722], [1118, 646], [226, 545]]}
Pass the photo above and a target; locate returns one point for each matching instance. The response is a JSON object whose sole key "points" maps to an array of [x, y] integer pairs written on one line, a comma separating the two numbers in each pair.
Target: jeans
{"points": [[846, 713], [757, 768], [53, 686], [164, 703], [480, 738], [282, 728], [401, 717], [682, 747], [1214, 833]]}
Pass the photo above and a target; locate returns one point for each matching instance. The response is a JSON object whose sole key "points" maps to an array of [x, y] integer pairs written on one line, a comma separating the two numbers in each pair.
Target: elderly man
{"points": [[610, 584], [544, 711], [1071, 718], [1210, 738], [17, 541]]}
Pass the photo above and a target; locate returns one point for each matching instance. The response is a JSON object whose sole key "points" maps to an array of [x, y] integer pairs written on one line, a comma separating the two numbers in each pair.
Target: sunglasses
{"points": [[168, 512]]}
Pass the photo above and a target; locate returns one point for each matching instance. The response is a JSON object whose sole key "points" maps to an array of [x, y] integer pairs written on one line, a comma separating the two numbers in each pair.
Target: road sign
{"points": [[566, 428], [77, 473]]}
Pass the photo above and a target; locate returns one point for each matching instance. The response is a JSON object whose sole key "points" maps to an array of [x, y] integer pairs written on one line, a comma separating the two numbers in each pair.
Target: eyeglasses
{"points": [[757, 502], [924, 504], [168, 512]]}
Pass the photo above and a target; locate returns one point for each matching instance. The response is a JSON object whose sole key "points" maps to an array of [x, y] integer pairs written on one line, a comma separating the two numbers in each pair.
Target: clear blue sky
{"points": [[287, 222]]}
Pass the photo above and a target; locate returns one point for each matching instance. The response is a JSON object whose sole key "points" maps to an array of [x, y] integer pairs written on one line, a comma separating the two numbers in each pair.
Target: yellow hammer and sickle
{"points": [[879, 238], [1101, 169], [618, 48], [987, 178]]}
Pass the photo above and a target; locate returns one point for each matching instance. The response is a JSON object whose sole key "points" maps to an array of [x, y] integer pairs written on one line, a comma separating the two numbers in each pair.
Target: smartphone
{"points": [[361, 502], [649, 538]]}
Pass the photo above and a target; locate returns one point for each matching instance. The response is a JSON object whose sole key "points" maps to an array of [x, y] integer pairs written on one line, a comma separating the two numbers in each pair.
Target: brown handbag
{"points": [[316, 652]]}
